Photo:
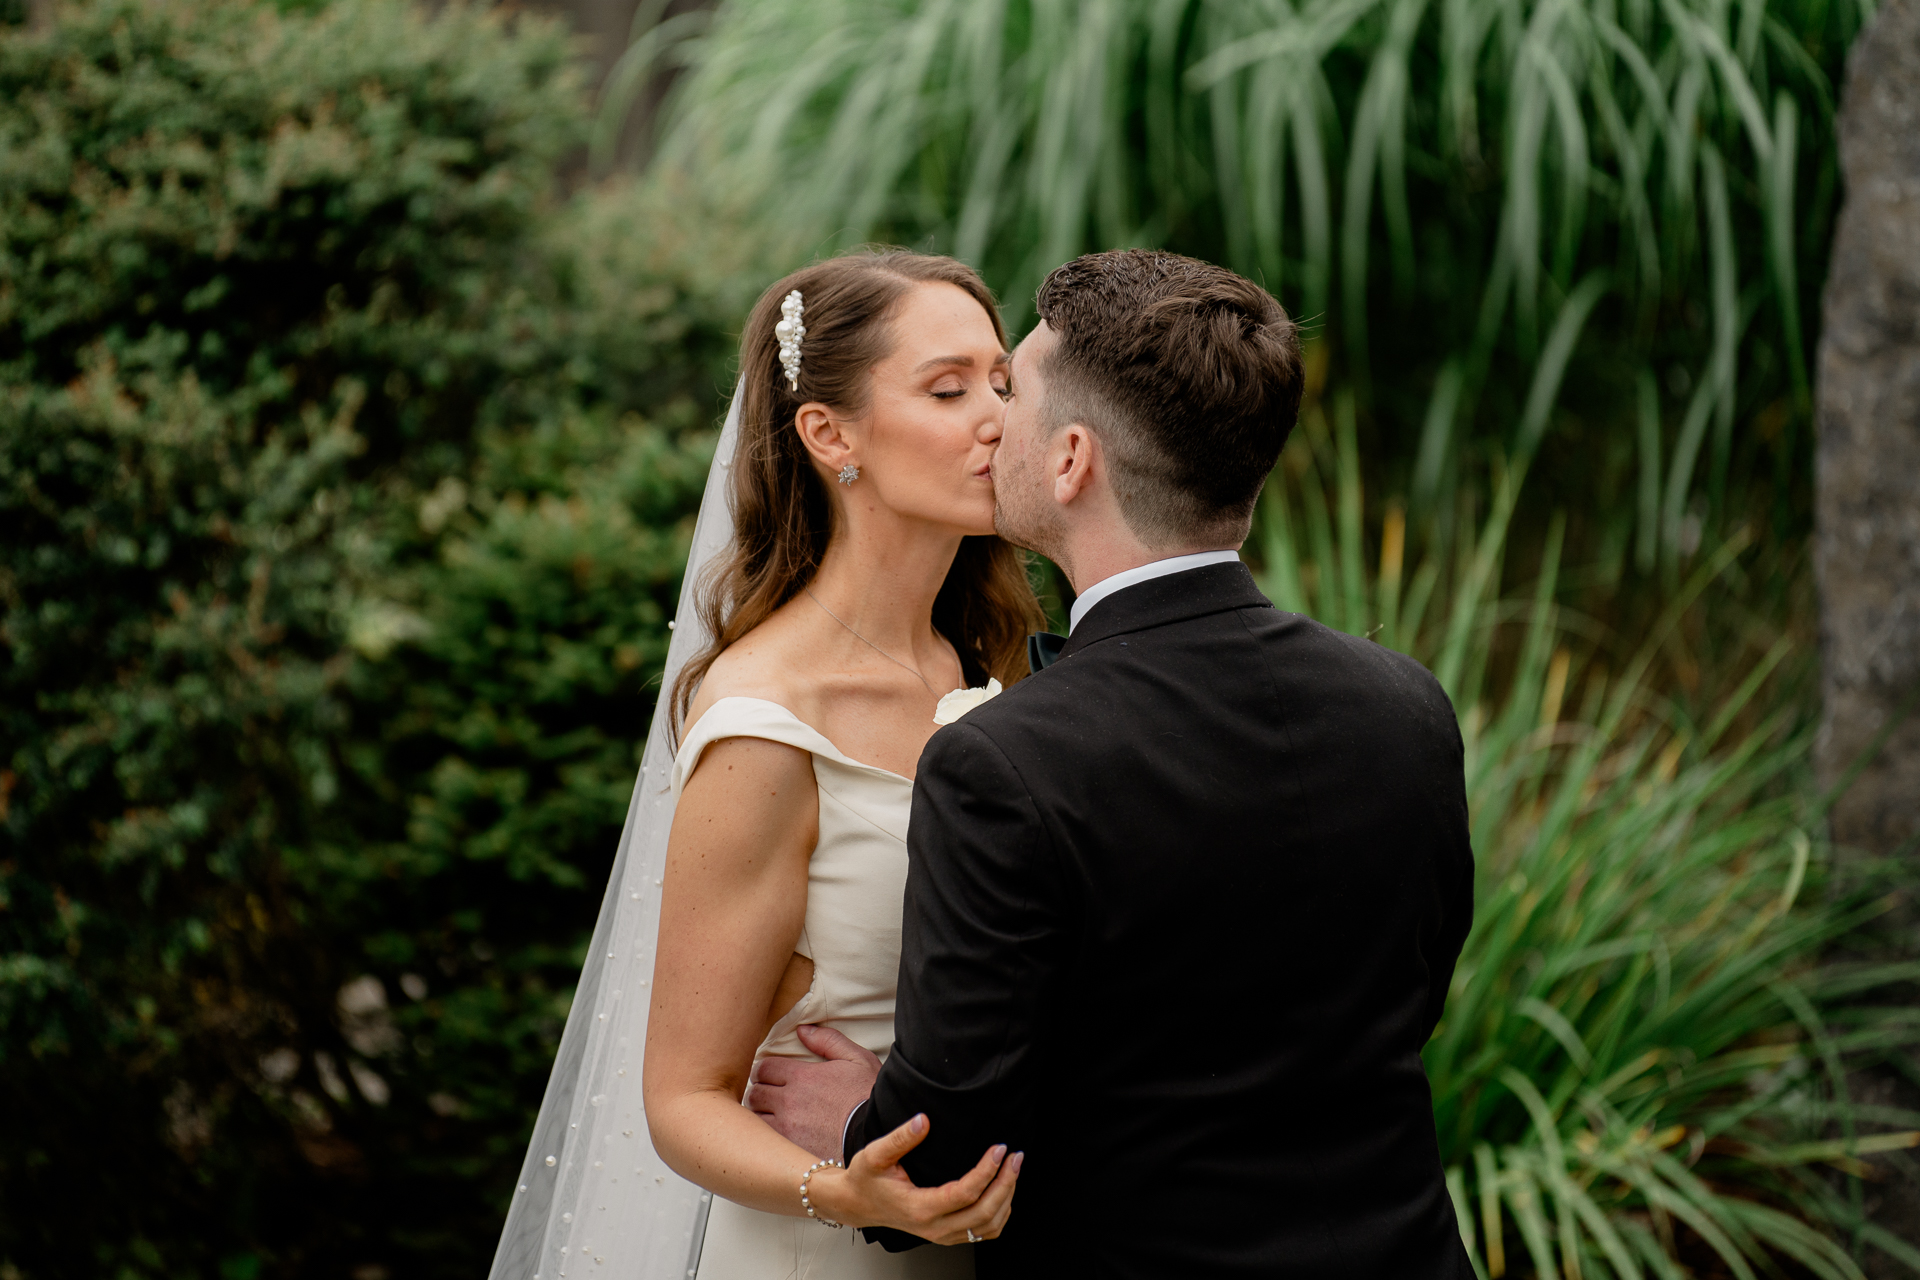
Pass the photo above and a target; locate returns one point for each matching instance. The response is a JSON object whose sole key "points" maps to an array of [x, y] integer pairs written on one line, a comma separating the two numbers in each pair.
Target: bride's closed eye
{"points": [[955, 394]]}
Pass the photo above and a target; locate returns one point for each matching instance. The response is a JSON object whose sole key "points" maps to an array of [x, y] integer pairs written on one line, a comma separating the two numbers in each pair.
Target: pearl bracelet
{"points": [[806, 1203]]}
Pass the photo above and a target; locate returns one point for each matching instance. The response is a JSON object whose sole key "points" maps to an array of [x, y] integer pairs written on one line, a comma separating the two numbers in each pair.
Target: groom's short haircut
{"points": [[1189, 375]]}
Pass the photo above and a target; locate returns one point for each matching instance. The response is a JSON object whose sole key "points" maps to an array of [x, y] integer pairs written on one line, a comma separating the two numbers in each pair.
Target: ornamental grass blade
{"points": [[1531, 143]]}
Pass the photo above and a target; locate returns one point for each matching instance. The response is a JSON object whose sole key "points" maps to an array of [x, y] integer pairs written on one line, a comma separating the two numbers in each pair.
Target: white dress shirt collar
{"points": [[1100, 590]]}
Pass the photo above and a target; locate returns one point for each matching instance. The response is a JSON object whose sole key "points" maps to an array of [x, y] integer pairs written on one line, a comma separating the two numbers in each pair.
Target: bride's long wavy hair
{"points": [[782, 517]]}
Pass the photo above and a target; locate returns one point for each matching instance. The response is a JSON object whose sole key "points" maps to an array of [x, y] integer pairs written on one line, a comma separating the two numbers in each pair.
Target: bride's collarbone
{"points": [[871, 711], [878, 722], [885, 732]]}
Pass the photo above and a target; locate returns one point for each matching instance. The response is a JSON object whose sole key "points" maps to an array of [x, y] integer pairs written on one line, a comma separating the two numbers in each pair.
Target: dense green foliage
{"points": [[1641, 1059], [334, 571], [1594, 230], [344, 475]]}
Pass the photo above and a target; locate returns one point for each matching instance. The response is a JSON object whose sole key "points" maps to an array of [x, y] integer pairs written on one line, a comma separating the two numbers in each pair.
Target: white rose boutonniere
{"points": [[961, 701]]}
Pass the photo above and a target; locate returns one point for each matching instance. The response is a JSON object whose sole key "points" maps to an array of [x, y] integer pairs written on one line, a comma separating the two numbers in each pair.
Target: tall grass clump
{"points": [[1592, 230], [1641, 1071]]}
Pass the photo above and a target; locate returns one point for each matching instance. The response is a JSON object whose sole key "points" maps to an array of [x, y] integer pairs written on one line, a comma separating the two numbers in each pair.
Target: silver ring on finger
{"points": [[972, 1238]]}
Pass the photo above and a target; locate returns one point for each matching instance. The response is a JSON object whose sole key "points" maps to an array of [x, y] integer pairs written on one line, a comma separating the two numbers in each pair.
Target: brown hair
{"points": [[782, 518], [1189, 374]]}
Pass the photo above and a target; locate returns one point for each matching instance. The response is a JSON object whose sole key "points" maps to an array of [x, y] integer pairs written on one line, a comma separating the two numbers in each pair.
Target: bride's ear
{"points": [[825, 436]]}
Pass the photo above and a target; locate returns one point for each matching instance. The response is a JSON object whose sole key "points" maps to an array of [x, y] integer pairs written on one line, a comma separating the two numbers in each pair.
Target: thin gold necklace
{"points": [[870, 644]]}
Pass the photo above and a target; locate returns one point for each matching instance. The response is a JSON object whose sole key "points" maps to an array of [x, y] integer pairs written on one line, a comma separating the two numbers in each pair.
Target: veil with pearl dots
{"points": [[593, 1197]]}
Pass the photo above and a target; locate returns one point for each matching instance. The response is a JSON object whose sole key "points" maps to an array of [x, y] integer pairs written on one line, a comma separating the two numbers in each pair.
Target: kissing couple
{"points": [[934, 946]]}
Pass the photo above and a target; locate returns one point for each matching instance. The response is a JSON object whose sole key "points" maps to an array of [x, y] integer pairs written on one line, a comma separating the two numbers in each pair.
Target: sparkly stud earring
{"points": [[849, 473]]}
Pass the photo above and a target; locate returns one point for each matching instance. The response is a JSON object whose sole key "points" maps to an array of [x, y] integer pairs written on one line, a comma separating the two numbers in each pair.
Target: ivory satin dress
{"points": [[855, 883]]}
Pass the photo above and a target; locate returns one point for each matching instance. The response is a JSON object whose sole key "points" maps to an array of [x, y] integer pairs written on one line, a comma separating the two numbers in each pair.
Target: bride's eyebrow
{"points": [[965, 362]]}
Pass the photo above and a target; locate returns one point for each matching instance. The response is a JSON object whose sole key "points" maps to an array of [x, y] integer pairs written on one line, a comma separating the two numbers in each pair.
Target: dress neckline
{"points": [[833, 752]]}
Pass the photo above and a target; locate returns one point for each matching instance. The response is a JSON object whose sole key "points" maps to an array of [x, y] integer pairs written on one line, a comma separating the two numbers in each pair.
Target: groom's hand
{"points": [[808, 1102]]}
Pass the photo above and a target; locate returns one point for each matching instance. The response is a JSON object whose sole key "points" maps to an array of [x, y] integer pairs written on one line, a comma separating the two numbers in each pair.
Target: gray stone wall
{"points": [[1867, 521], [1867, 486]]}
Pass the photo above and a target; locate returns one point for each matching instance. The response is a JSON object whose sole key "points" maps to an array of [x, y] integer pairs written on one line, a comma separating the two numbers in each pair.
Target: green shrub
{"points": [[334, 567]]}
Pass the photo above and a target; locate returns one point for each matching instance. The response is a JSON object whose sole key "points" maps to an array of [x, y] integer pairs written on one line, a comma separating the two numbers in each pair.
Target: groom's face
{"points": [[1024, 512]]}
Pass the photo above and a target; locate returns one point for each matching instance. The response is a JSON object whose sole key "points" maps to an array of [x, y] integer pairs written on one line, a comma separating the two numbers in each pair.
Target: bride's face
{"points": [[925, 445]]}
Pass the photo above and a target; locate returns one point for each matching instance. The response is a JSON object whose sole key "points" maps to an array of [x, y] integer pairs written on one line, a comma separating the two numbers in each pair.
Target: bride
{"points": [[860, 582]]}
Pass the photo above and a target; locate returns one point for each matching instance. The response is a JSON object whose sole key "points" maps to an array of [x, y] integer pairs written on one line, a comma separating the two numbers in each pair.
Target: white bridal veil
{"points": [[593, 1197]]}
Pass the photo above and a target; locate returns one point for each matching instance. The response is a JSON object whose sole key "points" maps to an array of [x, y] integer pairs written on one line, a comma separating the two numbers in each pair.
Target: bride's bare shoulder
{"points": [[765, 663]]}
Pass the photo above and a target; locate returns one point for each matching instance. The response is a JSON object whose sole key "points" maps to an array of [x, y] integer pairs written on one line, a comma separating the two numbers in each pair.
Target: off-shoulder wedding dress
{"points": [[593, 1198], [852, 934]]}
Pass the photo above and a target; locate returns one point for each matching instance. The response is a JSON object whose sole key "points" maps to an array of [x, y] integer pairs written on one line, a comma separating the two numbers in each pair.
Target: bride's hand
{"points": [[874, 1191]]}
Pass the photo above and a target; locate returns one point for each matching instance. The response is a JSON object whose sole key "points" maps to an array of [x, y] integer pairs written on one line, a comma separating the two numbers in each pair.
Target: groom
{"points": [[1183, 907]]}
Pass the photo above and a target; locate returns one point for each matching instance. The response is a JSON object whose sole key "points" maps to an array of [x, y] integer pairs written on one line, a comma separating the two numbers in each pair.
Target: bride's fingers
{"points": [[984, 1216], [988, 1215], [998, 1226], [999, 1196], [971, 1185], [885, 1152], [999, 1221]]}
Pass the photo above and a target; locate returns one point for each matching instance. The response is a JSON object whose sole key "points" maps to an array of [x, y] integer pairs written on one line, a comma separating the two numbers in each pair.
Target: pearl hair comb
{"points": [[789, 332]]}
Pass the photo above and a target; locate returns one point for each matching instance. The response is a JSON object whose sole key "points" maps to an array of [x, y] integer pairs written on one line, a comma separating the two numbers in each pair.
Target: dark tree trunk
{"points": [[606, 28]]}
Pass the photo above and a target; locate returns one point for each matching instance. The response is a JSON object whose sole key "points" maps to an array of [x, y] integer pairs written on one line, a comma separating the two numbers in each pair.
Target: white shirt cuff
{"points": [[847, 1127]]}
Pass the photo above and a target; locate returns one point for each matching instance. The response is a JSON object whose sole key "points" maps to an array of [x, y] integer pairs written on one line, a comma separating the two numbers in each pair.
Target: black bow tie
{"points": [[1042, 648]]}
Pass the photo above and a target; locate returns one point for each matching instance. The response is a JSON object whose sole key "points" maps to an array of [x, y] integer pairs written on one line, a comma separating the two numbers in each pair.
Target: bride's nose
{"points": [[993, 424]]}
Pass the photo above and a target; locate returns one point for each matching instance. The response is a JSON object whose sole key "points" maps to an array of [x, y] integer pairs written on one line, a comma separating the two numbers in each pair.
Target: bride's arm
{"points": [[730, 915]]}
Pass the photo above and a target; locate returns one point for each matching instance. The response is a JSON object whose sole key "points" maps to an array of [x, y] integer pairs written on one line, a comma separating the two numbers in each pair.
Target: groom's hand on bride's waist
{"points": [[808, 1103]]}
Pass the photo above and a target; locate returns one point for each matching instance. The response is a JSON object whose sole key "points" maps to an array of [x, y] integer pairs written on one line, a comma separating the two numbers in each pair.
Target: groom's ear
{"points": [[1074, 461], [824, 436]]}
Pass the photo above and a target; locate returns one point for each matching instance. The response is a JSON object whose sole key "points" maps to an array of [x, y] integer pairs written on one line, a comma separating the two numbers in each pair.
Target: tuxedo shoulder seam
{"points": [[1281, 719], [1026, 789]]}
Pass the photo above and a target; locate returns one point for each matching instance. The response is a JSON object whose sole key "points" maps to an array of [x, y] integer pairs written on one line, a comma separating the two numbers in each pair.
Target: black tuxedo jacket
{"points": [[1181, 911]]}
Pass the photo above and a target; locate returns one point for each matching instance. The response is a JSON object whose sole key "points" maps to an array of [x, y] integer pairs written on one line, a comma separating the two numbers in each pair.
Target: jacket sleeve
{"points": [[1456, 876], [1446, 783], [982, 941]]}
